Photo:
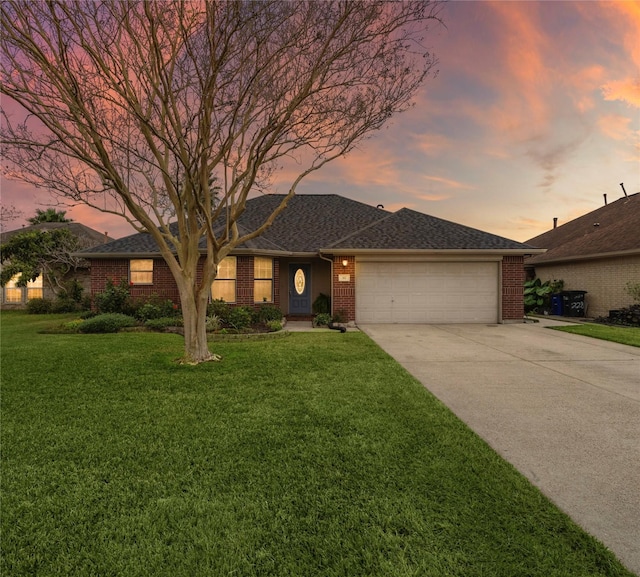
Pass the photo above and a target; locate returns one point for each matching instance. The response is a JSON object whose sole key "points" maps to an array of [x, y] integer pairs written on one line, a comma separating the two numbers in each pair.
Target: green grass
{"points": [[310, 455], [623, 335]]}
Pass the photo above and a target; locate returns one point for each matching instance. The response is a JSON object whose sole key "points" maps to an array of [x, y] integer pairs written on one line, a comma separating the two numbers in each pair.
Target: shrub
{"points": [[267, 313], [322, 304], [340, 317], [88, 314], [213, 323], [148, 311], [64, 305], [537, 294], [72, 326], [154, 307], [163, 323], [239, 317], [220, 309], [107, 323], [274, 326], [114, 299], [39, 306], [322, 320], [72, 290]]}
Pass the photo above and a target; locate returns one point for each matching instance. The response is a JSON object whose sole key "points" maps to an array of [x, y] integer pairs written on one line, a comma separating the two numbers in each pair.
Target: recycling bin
{"points": [[573, 303], [556, 304]]}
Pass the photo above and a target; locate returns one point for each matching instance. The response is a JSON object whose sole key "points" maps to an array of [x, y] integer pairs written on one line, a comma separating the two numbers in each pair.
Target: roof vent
{"points": [[380, 206], [596, 224], [623, 190], [605, 199], [555, 222]]}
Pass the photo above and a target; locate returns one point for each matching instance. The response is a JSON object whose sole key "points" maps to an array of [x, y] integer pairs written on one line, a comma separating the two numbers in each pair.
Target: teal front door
{"points": [[299, 289]]}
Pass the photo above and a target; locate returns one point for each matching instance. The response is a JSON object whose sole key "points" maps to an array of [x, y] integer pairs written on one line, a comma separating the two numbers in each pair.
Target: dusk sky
{"points": [[535, 114]]}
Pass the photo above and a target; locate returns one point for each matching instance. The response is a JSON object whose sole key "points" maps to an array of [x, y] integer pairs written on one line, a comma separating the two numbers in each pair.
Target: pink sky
{"points": [[535, 114]]}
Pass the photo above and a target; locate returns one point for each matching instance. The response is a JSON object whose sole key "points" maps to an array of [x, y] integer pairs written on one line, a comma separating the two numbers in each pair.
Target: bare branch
{"points": [[136, 108]]}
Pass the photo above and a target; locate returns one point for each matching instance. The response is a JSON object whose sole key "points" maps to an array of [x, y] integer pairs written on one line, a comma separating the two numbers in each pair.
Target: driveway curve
{"points": [[563, 409]]}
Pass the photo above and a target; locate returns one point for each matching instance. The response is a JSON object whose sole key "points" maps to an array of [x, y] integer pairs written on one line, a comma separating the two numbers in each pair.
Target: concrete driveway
{"points": [[563, 409]]}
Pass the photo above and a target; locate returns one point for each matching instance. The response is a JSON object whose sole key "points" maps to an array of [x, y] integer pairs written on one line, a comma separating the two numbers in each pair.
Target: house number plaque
{"points": [[299, 281]]}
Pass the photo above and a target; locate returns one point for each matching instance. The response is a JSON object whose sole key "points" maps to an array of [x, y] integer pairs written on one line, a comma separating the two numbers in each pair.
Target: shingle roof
{"points": [[323, 221], [86, 234], [411, 230], [613, 228]]}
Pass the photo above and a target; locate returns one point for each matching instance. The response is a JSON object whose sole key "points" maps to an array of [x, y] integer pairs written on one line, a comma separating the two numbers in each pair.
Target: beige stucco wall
{"points": [[604, 280]]}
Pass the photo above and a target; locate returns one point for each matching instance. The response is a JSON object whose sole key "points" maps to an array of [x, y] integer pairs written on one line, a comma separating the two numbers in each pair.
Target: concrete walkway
{"points": [[563, 409]]}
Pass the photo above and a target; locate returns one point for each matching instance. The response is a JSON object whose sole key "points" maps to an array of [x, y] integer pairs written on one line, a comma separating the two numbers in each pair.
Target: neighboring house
{"points": [[378, 266], [598, 253], [13, 296]]}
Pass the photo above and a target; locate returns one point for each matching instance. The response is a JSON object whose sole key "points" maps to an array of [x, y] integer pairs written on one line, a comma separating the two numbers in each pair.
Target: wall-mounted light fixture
{"points": [[345, 262]]}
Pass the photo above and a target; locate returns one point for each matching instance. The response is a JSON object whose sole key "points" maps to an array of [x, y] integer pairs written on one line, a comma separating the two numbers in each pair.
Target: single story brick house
{"points": [[16, 297], [377, 266], [598, 252]]}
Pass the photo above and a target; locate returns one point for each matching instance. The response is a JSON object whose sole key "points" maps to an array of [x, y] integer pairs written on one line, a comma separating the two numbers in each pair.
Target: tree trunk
{"points": [[194, 313]]}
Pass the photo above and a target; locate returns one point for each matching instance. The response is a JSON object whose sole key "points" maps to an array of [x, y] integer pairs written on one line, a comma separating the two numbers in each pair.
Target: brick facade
{"points": [[604, 280], [344, 292], [513, 277], [165, 286]]}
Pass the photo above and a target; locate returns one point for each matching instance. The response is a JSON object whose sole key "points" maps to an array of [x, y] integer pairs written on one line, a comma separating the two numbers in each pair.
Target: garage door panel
{"points": [[427, 292]]}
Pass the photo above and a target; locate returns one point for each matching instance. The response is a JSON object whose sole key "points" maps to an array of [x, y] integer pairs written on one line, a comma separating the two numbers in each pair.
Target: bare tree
{"points": [[8, 213], [137, 108]]}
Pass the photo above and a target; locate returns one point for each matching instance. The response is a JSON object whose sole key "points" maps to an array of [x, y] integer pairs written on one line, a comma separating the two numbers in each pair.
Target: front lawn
{"points": [[624, 335], [309, 455]]}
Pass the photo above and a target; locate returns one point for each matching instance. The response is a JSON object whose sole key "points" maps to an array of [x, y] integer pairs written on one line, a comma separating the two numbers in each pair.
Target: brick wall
{"points": [[344, 293], [116, 269], [604, 280], [164, 284], [512, 288]]}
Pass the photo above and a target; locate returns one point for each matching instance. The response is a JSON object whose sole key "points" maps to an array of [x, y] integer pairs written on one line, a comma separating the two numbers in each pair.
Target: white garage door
{"points": [[427, 292]]}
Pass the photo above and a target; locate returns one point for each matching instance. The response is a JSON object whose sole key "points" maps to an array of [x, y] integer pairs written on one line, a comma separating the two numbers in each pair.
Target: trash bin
{"points": [[573, 303], [556, 304]]}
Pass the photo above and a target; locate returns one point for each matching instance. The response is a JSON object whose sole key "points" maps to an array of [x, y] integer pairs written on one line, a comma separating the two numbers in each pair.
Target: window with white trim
{"points": [[262, 279], [141, 271], [224, 286]]}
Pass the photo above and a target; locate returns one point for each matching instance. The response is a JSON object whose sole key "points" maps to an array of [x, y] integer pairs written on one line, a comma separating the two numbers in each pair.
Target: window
{"points": [[13, 293], [141, 271], [224, 287], [34, 288], [262, 279]]}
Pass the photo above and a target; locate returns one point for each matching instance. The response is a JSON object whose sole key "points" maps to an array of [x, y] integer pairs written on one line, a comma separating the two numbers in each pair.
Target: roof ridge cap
{"points": [[370, 225]]}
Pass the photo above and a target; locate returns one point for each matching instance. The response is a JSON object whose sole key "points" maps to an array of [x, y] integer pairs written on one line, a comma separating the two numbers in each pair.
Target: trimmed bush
{"points": [[266, 313], [72, 326], [107, 323], [220, 309], [274, 326], [240, 317], [39, 306]]}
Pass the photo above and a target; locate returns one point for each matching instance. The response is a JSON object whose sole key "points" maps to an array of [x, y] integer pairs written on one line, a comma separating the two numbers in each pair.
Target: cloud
{"points": [[432, 144], [627, 90], [615, 126], [449, 183]]}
